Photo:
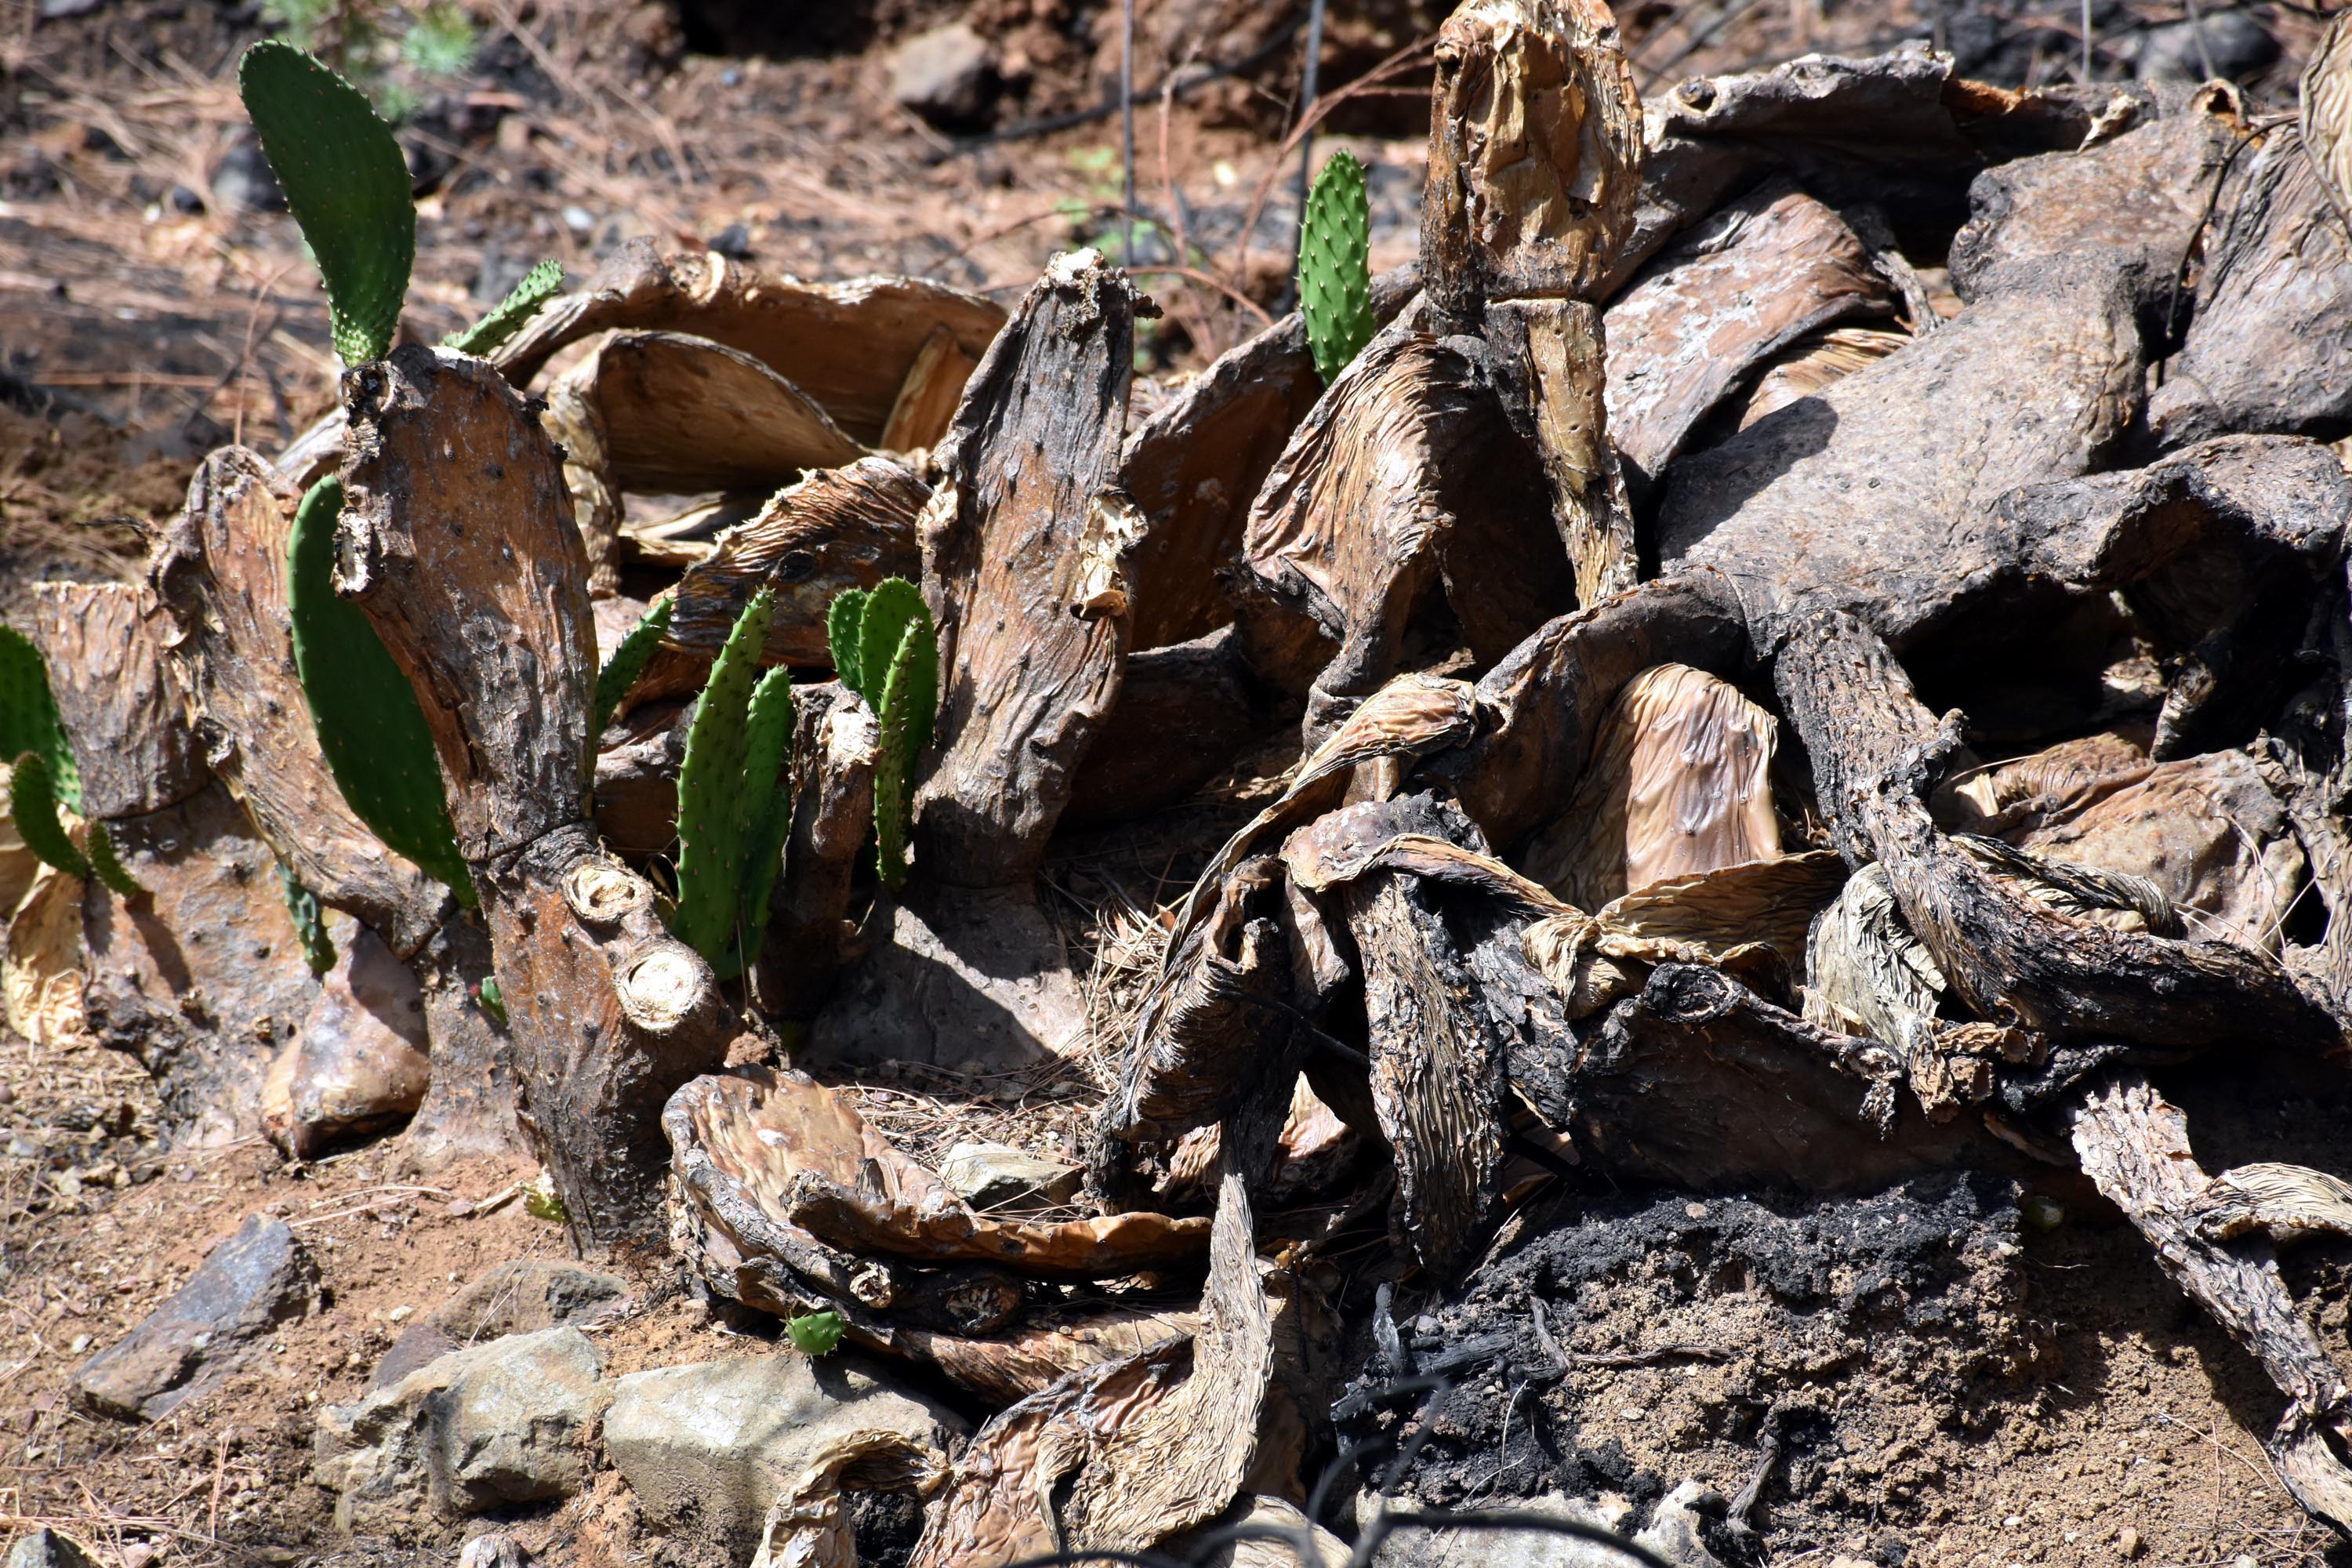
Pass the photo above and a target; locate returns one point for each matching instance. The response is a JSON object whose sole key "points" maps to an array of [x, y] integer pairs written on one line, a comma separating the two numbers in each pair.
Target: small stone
{"points": [[2127, 1543], [579, 220], [1695, 1211], [945, 75], [2043, 1213], [250, 1283], [519, 1298], [400, 1314], [993, 1177], [733, 242], [458, 1208], [139, 1554], [47, 1548], [480, 1428], [711, 1444], [22, 1148], [8, 1094]]}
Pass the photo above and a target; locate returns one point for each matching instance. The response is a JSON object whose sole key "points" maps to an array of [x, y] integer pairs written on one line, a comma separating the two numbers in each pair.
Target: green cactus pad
{"points": [[711, 808], [1335, 278], [107, 866], [628, 662], [911, 698], [893, 607], [841, 627], [540, 284], [366, 711], [346, 183], [310, 925], [816, 1333], [28, 714], [768, 798], [33, 802]]}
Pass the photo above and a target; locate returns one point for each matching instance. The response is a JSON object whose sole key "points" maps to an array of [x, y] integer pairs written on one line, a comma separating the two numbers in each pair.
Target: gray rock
{"points": [[945, 74], [708, 1446], [2235, 44], [502, 1423], [1672, 1533], [523, 1297], [991, 1175], [256, 1279], [47, 1548], [1249, 1513]]}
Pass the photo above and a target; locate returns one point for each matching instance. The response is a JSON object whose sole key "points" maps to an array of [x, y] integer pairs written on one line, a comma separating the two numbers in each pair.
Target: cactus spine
{"points": [[310, 926], [538, 285], [28, 714], [366, 711], [733, 802], [895, 667], [628, 662], [346, 183], [1335, 275], [33, 802]]}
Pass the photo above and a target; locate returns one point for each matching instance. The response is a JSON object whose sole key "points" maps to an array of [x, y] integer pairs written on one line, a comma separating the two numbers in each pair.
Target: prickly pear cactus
{"points": [[910, 699], [346, 183], [33, 802], [892, 607], [842, 621], [1335, 275], [106, 866], [628, 662], [28, 714], [310, 925], [366, 711], [711, 809], [538, 285], [767, 801]]}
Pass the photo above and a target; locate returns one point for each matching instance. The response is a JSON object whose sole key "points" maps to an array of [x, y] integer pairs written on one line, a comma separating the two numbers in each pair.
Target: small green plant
{"points": [[886, 650], [628, 662], [369, 723], [491, 1000], [734, 798], [365, 39], [540, 284], [33, 802], [542, 1200], [346, 183], [28, 714], [309, 924], [1335, 277], [816, 1333]]}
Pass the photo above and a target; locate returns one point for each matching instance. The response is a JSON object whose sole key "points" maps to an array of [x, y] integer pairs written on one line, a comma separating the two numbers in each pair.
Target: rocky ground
{"points": [[214, 1354]]}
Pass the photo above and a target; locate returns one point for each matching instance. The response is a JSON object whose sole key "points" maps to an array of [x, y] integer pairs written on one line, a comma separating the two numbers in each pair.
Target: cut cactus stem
{"points": [[1335, 277]]}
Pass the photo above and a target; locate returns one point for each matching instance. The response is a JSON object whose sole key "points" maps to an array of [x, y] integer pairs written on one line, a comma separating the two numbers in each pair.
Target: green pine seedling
{"points": [[628, 662], [540, 284], [309, 924], [346, 183], [887, 650], [33, 802], [1335, 275], [366, 711], [816, 1333], [28, 714], [107, 865], [734, 798]]}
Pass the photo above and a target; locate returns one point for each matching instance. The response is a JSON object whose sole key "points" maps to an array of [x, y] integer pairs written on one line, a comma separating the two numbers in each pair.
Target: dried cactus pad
{"points": [[365, 710], [346, 183], [1335, 278]]}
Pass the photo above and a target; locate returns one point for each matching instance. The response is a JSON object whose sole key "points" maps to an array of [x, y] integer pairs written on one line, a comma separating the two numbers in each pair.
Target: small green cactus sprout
{"points": [[346, 183], [886, 650], [840, 622], [98, 844], [734, 800], [366, 711], [1335, 275], [816, 1333], [28, 714], [538, 285], [33, 802], [491, 1000], [310, 925], [628, 662]]}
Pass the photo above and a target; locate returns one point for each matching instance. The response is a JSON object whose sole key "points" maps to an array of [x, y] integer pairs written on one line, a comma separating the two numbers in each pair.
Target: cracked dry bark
{"points": [[457, 542]]}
